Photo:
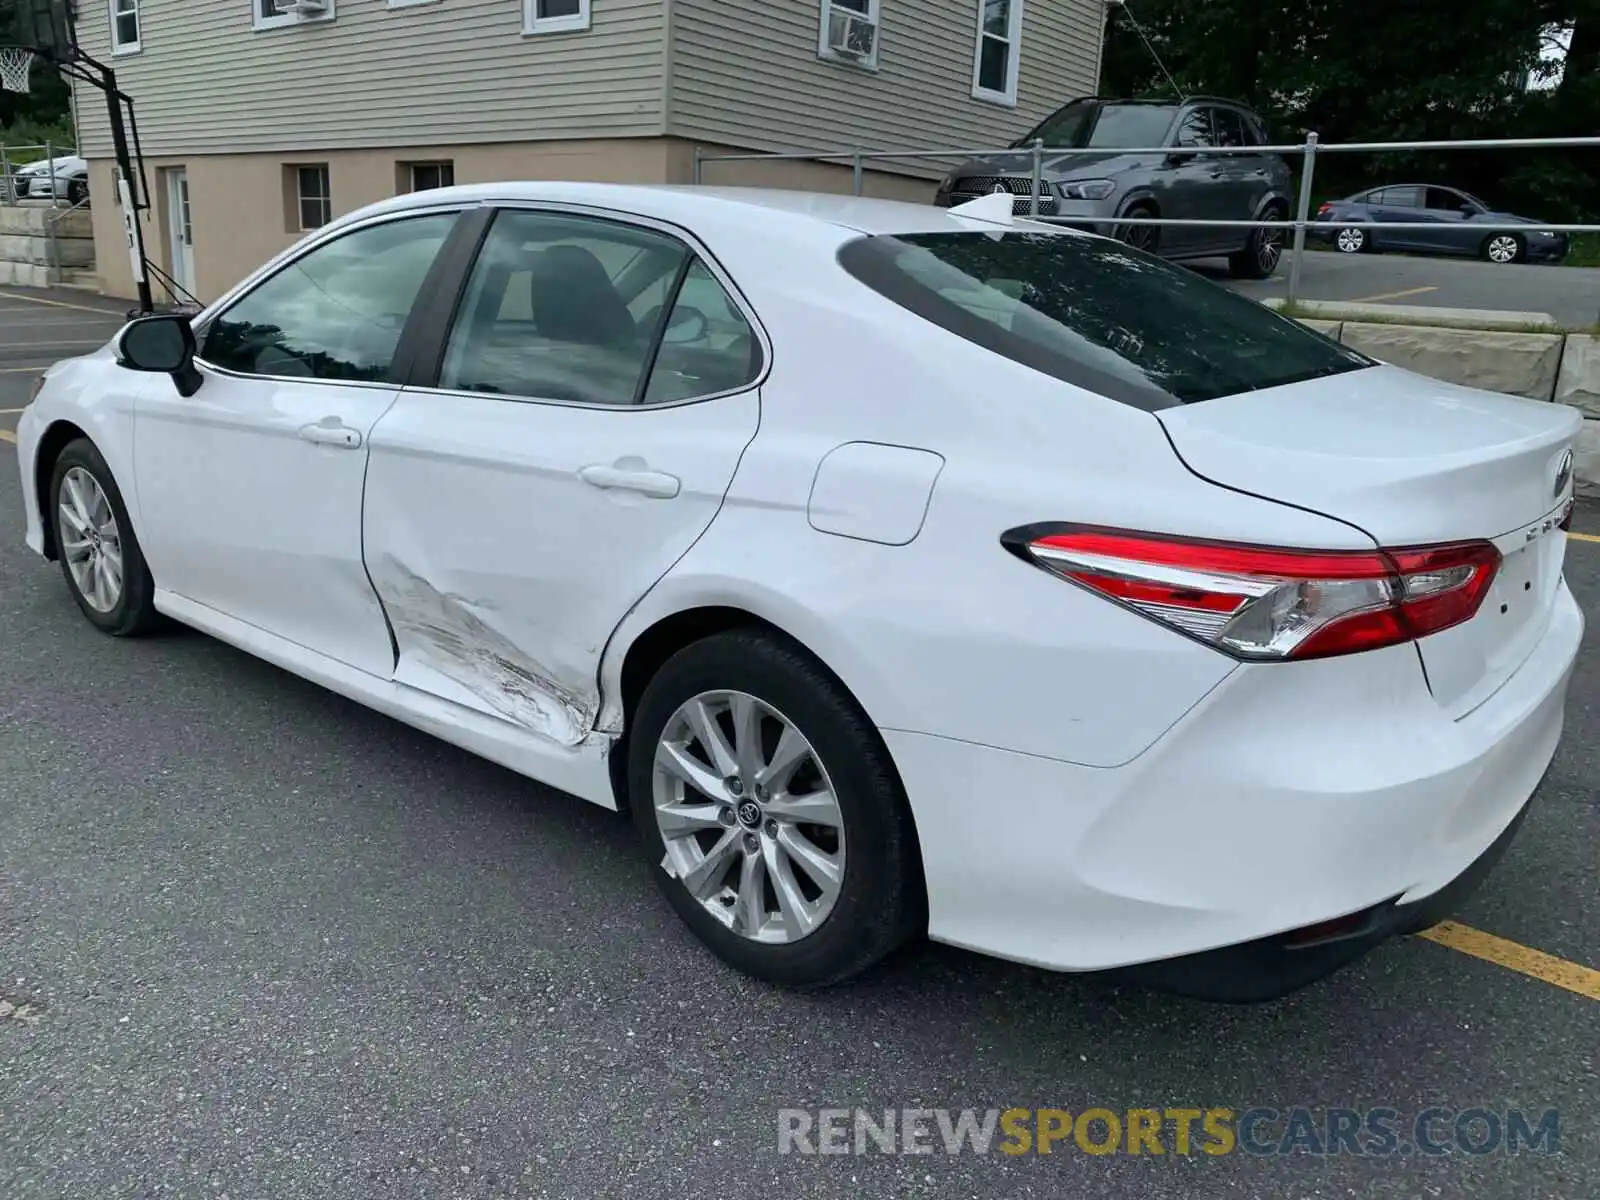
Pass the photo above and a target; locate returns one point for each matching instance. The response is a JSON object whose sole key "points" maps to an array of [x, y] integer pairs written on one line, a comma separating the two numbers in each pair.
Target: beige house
{"points": [[262, 119]]}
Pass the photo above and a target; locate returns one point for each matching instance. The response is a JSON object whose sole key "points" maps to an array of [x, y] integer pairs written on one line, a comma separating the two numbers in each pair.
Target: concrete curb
{"points": [[1526, 355], [1415, 314]]}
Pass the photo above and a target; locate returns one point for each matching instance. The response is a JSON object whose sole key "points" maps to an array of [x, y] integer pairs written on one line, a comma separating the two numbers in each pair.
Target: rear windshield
{"points": [[1095, 313]]}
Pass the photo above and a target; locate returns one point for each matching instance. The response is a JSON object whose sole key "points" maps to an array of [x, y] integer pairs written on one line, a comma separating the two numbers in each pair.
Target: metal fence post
{"points": [[856, 181], [1308, 168], [695, 177], [50, 171], [1038, 174], [7, 195]]}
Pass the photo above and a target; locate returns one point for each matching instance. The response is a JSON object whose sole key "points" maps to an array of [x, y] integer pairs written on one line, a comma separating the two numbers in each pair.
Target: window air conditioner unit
{"points": [[303, 8], [851, 34]]}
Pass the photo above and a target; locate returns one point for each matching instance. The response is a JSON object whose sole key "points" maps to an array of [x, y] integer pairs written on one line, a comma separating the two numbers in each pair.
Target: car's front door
{"points": [[1451, 213], [250, 489], [570, 438]]}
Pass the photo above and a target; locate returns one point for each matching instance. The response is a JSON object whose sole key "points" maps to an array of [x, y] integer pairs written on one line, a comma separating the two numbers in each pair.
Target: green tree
{"points": [[1418, 71]]}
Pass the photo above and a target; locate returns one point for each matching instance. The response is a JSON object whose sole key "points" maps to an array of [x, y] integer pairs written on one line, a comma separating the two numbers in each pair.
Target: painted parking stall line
{"points": [[1502, 952]]}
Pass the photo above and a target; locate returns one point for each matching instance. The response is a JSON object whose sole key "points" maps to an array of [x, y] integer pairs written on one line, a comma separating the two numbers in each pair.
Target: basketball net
{"points": [[16, 65]]}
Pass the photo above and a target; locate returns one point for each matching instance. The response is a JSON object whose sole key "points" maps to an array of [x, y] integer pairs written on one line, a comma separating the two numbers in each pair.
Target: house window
{"points": [[270, 14], [125, 26], [994, 63], [849, 32], [310, 199], [554, 16], [423, 177]]}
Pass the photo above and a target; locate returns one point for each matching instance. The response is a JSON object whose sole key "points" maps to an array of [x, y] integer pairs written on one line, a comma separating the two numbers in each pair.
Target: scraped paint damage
{"points": [[452, 635]]}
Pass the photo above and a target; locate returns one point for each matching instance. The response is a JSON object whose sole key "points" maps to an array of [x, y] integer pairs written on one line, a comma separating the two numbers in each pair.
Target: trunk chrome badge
{"points": [[1563, 474]]}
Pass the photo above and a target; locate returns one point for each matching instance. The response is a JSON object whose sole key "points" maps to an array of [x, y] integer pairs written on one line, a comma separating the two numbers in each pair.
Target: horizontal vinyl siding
{"points": [[746, 73], [458, 71]]}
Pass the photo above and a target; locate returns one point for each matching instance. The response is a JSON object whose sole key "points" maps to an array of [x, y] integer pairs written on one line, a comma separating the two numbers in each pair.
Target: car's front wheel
{"points": [[770, 809], [1142, 237], [95, 543], [1504, 248]]}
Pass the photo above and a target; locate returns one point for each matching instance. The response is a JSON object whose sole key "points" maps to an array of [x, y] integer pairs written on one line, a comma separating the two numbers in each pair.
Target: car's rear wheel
{"points": [[1142, 237], [1351, 240], [1504, 248], [95, 543], [1263, 251], [770, 807], [78, 191]]}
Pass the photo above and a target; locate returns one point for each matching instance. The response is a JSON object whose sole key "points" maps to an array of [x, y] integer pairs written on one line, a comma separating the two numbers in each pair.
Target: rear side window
{"points": [[1095, 313]]}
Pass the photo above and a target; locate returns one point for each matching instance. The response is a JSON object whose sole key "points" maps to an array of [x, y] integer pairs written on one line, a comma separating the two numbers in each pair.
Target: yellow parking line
{"points": [[22, 370], [7, 436], [9, 411], [1584, 537], [1536, 964], [105, 312], [1416, 291]]}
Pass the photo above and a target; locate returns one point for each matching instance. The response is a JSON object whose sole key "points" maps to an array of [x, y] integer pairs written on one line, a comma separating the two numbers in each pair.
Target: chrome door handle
{"points": [[330, 431], [624, 479]]}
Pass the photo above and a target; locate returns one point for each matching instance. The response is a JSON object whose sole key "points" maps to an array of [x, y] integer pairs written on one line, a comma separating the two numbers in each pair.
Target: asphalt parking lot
{"points": [[256, 941], [1569, 294]]}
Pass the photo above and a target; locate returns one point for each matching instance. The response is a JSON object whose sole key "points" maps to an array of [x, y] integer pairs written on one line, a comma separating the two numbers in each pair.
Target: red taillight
{"points": [[1267, 603], [1324, 208]]}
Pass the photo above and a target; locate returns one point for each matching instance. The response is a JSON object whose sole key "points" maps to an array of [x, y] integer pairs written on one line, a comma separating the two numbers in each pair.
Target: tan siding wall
{"points": [[746, 73], [455, 72], [237, 204]]}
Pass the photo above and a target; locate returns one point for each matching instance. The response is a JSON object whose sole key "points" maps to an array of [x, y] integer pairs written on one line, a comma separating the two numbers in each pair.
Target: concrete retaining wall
{"points": [[38, 243], [1564, 367]]}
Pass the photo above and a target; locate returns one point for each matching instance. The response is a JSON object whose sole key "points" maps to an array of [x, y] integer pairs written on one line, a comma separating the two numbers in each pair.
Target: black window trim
{"points": [[399, 366], [438, 316]]}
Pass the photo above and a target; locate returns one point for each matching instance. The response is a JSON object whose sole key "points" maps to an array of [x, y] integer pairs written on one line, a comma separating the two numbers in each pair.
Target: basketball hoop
{"points": [[16, 65]]}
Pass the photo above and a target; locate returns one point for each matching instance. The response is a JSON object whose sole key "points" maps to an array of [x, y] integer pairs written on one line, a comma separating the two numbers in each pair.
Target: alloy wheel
{"points": [[749, 818], [1350, 241], [1503, 248], [91, 543], [1269, 248]]}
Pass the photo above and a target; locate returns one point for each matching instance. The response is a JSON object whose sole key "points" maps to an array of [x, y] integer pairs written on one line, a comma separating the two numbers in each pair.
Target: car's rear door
{"points": [[568, 436], [1402, 205], [1194, 186]]}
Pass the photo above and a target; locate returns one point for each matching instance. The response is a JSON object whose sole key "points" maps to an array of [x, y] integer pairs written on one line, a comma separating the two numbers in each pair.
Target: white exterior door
{"points": [[250, 490], [180, 231], [515, 513]]}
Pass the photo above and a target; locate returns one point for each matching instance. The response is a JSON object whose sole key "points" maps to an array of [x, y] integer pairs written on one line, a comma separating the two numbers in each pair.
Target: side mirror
{"points": [[161, 345], [1469, 210]]}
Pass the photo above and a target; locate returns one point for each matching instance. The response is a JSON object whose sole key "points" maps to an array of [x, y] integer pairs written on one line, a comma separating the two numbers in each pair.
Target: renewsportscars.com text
{"points": [[1372, 1132]]}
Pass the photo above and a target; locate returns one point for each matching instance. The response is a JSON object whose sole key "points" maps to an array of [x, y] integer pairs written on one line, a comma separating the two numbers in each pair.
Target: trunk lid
{"points": [[1411, 461]]}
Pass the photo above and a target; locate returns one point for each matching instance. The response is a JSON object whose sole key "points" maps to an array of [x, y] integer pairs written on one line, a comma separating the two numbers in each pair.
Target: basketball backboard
{"points": [[43, 26]]}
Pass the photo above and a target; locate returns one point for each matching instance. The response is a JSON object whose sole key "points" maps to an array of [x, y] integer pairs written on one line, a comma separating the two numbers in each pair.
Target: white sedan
{"points": [[899, 569]]}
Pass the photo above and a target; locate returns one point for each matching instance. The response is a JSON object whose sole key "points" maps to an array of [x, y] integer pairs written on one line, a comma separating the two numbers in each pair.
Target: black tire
{"points": [[1262, 252], [1351, 239], [880, 902], [77, 191], [1519, 249], [134, 612], [1142, 237]]}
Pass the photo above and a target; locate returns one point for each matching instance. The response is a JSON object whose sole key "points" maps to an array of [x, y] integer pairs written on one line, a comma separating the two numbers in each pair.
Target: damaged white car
{"points": [[899, 568]]}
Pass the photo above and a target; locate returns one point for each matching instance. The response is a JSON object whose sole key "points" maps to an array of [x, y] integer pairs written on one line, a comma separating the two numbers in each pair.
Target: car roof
{"points": [[703, 208]]}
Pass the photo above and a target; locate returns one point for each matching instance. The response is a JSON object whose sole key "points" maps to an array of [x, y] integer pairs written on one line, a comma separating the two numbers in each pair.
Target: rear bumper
{"points": [[1272, 967], [1294, 794]]}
